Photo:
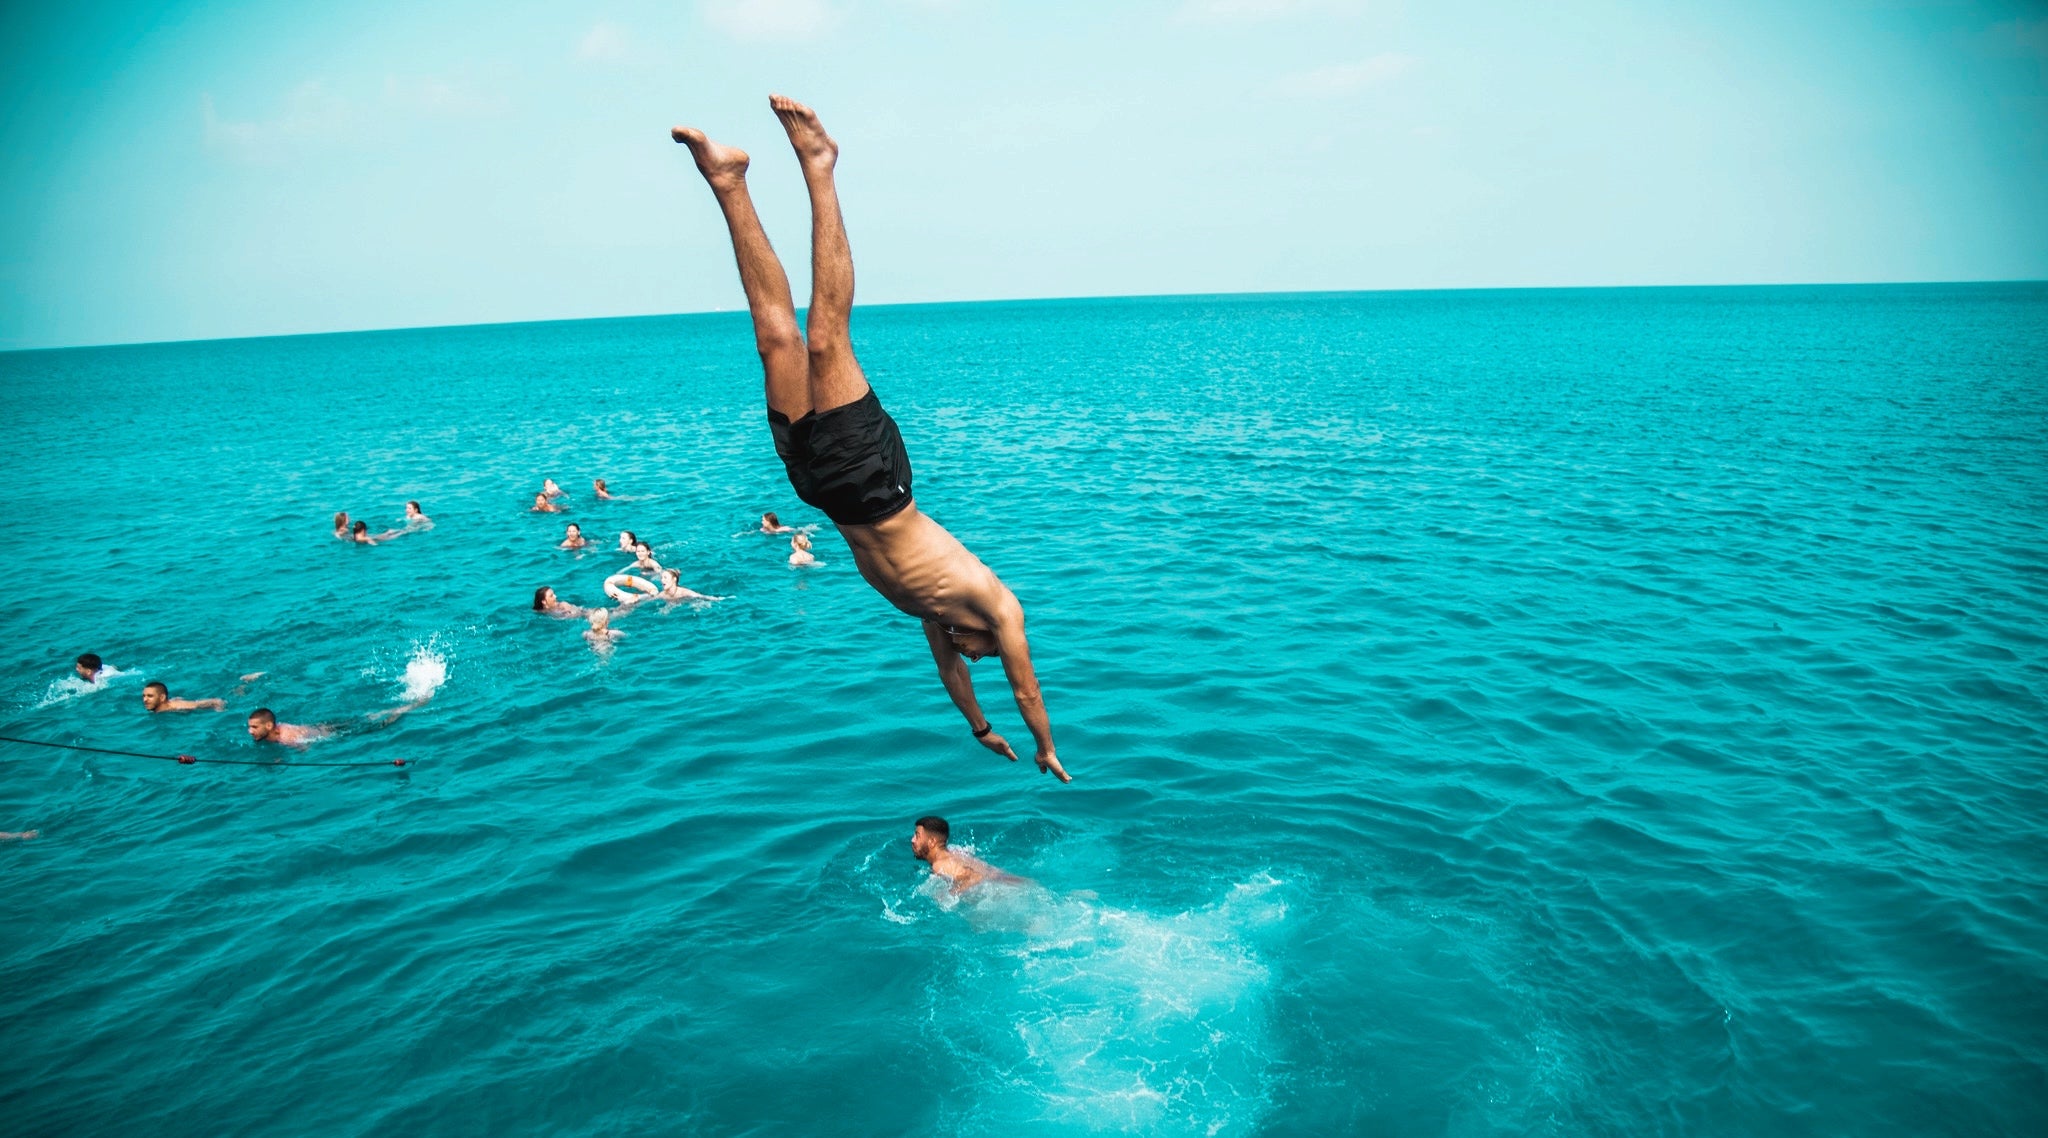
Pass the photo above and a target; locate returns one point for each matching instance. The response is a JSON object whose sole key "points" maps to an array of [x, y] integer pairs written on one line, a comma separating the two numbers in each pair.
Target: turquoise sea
{"points": [[1611, 712]]}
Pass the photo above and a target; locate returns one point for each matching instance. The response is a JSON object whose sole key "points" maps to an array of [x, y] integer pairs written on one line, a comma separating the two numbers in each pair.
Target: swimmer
{"points": [[673, 590], [89, 667], [541, 505], [643, 558], [843, 453], [627, 541], [157, 697], [341, 525], [597, 485], [361, 534], [549, 489], [965, 871], [264, 728], [615, 587], [22, 836], [574, 538], [415, 519], [601, 635], [800, 552], [545, 601], [772, 524]]}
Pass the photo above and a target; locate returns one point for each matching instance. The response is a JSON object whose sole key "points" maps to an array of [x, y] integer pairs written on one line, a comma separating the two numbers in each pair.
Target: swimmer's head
{"points": [[543, 597], [800, 541], [973, 643], [640, 547], [262, 724], [597, 484], [770, 520], [155, 694], [412, 510], [547, 486], [627, 541], [671, 576], [600, 618], [540, 500], [360, 528], [341, 521], [575, 530], [88, 666], [931, 835]]}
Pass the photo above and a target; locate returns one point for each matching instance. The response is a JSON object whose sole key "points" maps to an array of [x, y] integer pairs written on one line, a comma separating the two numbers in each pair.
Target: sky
{"points": [[191, 170]]}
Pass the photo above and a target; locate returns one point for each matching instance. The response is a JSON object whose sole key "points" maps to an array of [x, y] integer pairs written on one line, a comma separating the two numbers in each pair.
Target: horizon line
{"points": [[1020, 300]]}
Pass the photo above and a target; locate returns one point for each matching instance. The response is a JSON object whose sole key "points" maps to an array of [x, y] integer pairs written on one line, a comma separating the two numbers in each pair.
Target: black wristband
{"points": [[985, 729]]}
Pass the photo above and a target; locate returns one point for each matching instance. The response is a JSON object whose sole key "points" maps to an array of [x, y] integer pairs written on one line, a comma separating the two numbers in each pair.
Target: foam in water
{"points": [[1068, 1013]]}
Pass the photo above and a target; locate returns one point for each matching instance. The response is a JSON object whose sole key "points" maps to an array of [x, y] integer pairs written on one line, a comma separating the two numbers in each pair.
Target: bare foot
{"points": [[721, 165], [815, 150]]}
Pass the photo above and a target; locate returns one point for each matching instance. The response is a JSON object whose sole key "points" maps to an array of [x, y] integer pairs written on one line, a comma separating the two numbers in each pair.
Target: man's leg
{"points": [[783, 359], [835, 376]]}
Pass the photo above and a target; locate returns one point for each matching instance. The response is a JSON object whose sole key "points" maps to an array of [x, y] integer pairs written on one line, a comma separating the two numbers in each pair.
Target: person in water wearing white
{"points": [[843, 453]]}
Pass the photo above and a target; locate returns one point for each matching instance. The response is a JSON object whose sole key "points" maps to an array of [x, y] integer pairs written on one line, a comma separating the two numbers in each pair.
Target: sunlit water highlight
{"points": [[1611, 712]]}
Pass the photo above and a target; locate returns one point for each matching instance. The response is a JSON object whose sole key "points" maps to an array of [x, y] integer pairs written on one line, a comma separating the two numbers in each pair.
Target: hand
{"points": [[1047, 761], [999, 745]]}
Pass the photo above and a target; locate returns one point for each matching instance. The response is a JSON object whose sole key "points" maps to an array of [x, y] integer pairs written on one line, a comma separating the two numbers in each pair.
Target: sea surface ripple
{"points": [[1609, 712]]}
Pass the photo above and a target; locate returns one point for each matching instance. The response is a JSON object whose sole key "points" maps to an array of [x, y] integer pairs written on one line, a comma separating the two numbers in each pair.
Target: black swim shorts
{"points": [[848, 461]]}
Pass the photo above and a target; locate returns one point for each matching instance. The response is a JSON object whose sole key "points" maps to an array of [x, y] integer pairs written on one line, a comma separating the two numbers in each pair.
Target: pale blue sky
{"points": [[179, 170]]}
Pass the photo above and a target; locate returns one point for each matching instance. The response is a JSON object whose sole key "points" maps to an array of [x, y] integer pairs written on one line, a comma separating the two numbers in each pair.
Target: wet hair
{"points": [[642, 547], [597, 482], [935, 826], [91, 661], [340, 519], [574, 526], [269, 716], [362, 526], [771, 519], [158, 685], [631, 538], [540, 599], [416, 506]]}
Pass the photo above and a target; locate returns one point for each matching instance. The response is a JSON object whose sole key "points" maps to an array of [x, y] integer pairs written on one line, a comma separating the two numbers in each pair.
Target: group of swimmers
{"points": [[263, 723], [359, 531]]}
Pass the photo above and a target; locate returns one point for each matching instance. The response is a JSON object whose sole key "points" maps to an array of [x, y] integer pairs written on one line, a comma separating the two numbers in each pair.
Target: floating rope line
{"points": [[188, 760]]}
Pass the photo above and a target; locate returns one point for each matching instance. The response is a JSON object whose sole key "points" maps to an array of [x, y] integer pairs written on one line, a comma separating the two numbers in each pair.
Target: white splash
{"points": [[1092, 1017], [425, 672]]}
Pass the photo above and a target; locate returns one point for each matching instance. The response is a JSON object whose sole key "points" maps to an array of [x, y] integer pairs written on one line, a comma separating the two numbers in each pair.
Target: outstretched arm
{"points": [[1008, 626], [960, 685]]}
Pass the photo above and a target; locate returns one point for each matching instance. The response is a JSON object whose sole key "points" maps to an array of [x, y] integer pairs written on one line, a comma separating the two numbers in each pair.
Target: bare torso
{"points": [[925, 571]]}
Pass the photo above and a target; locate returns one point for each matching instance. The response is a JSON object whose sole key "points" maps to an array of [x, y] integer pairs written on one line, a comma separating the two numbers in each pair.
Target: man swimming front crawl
{"points": [[157, 697], [928, 844], [264, 728], [842, 452], [89, 667]]}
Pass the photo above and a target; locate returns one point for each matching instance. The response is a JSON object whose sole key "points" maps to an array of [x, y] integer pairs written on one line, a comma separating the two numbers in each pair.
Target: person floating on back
{"points": [[157, 697], [843, 453]]}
